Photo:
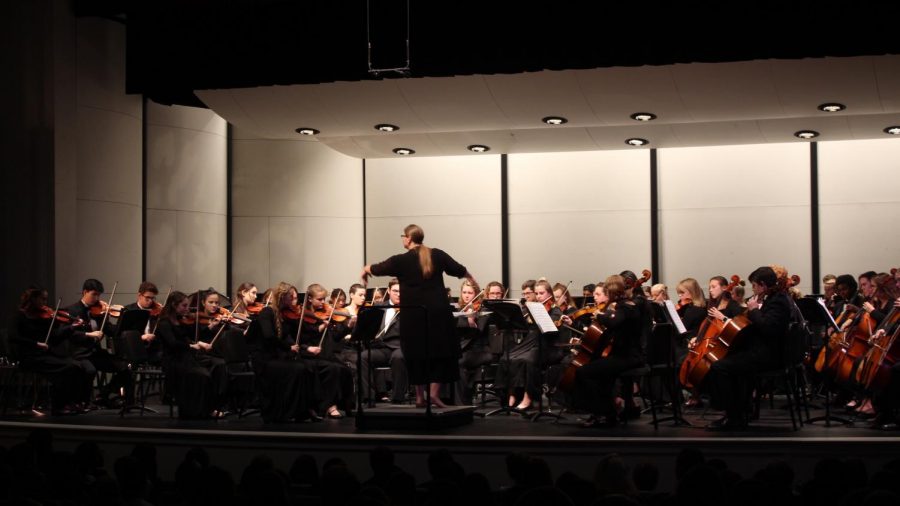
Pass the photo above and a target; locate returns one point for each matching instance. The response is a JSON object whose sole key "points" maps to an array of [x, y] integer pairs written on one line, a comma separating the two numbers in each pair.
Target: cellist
{"points": [[595, 381], [731, 383], [887, 400]]}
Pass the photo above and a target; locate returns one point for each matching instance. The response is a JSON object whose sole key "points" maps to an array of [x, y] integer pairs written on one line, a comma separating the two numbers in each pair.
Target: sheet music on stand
{"points": [[831, 321], [541, 317], [673, 314]]}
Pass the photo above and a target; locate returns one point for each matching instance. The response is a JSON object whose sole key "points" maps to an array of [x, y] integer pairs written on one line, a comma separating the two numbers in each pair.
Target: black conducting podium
{"points": [[396, 416]]}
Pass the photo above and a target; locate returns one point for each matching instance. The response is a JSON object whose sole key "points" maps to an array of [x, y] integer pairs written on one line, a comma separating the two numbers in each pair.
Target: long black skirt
{"points": [[286, 388]]}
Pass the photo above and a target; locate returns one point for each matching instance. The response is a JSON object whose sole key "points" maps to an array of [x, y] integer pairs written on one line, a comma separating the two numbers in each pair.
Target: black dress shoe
{"points": [[726, 424]]}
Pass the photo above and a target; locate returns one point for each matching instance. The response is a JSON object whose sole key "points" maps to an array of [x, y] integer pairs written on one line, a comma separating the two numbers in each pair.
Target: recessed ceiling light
{"points": [[806, 134], [404, 151], [554, 120], [478, 148], [893, 130], [636, 141], [306, 131], [385, 127], [643, 116], [832, 107]]}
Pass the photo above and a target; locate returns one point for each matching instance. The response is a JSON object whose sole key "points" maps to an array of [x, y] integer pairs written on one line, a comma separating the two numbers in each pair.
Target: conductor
{"points": [[428, 335]]}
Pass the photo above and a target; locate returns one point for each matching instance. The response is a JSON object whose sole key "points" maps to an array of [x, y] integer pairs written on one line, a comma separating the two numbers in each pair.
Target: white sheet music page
{"points": [[833, 323], [541, 317], [673, 314]]}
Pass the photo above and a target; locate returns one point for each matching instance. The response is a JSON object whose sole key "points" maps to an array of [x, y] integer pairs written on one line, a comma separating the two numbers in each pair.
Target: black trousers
{"points": [[65, 375], [471, 361], [595, 384], [731, 380], [383, 357], [334, 383], [101, 360]]}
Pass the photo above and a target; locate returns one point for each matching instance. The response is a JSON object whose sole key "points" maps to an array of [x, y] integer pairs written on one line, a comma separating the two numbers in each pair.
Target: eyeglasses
{"points": [[402, 235], [395, 290]]}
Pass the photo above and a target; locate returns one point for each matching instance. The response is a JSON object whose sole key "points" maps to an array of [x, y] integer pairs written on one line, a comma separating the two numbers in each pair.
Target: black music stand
{"points": [[135, 319], [817, 315], [662, 360], [508, 318], [368, 320]]}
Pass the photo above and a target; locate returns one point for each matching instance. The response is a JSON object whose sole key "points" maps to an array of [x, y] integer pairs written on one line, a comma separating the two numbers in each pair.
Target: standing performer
{"points": [[428, 338]]}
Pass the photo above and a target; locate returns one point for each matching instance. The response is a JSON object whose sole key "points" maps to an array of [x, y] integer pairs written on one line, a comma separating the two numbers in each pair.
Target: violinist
{"points": [[85, 346], [198, 384], [146, 301], [211, 318], [335, 379], [33, 332], [555, 351], [761, 348], [472, 330], [286, 385], [344, 351], [595, 381], [245, 305]]}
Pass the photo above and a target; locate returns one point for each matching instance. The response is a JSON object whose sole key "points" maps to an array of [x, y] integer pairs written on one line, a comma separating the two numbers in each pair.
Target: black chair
{"points": [[232, 346], [785, 378], [636, 375], [18, 383], [131, 348], [664, 367]]}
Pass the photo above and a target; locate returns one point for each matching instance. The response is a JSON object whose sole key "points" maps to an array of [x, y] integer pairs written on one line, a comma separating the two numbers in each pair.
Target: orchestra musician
{"points": [[335, 379], [198, 384], [286, 385], [430, 348], [595, 381], [517, 369], [344, 350], [472, 331], [146, 301], [84, 346], [691, 307], [384, 350], [659, 293], [731, 378], [33, 332], [887, 399]]}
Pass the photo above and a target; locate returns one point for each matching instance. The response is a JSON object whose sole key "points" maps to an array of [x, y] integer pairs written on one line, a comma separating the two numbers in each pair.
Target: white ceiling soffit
{"points": [[697, 104]]}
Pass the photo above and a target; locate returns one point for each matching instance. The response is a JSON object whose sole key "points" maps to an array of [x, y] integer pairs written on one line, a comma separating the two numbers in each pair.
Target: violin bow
{"points": [[165, 301], [300, 321], [327, 323], [109, 305], [52, 320]]}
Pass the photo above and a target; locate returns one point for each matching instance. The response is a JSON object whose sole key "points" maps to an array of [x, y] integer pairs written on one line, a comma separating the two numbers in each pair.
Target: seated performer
{"points": [[335, 379], [472, 331], [33, 332], [146, 301], [286, 384], [760, 349], [595, 381], [384, 350], [197, 385], [86, 349]]}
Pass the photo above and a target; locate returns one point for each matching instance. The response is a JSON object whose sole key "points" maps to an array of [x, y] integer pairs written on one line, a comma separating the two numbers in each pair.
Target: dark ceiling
{"points": [[177, 46]]}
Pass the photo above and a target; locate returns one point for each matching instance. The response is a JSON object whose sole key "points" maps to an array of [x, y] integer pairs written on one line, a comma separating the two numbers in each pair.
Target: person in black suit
{"points": [[428, 338], [146, 301], [85, 347], [760, 348], [385, 350]]}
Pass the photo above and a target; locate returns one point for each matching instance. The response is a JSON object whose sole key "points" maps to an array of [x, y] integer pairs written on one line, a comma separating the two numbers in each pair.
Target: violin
{"points": [[101, 308], [156, 309], [255, 308], [47, 313]]}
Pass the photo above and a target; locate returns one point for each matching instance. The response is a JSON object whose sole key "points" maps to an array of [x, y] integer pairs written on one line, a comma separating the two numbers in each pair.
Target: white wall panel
{"points": [[456, 201], [297, 213], [730, 209], [859, 206], [578, 216]]}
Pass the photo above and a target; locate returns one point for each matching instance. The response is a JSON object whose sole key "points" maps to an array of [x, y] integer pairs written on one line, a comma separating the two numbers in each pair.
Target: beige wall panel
{"points": [[109, 237], [730, 209], [433, 186], [200, 255], [294, 178], [456, 200], [161, 246], [305, 250], [859, 206], [101, 67], [578, 216], [250, 255], [479, 252], [109, 156], [186, 170]]}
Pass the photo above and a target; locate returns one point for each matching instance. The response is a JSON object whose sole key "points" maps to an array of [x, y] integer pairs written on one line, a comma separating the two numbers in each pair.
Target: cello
{"points": [[594, 342], [694, 368], [875, 370]]}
